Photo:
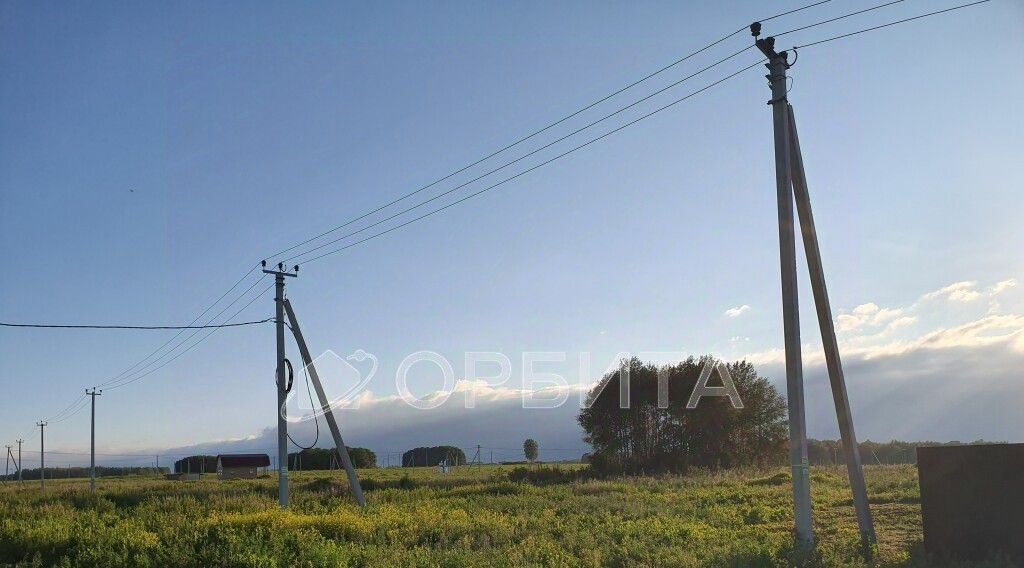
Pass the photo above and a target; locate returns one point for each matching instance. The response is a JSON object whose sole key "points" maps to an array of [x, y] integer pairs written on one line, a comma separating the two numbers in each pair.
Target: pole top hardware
{"points": [[755, 29], [767, 47], [282, 271]]}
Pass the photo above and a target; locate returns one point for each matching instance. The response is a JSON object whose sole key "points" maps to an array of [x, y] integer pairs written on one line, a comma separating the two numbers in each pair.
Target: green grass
{"points": [[490, 516]]}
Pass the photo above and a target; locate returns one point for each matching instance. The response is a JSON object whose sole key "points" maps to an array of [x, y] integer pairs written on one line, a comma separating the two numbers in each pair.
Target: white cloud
{"points": [[956, 382], [901, 322], [956, 292], [1006, 330], [868, 330], [1002, 286], [866, 315], [737, 311]]}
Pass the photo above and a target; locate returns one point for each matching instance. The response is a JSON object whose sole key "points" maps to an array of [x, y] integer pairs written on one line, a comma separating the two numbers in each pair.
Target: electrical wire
{"points": [[200, 340], [626, 125], [541, 130], [146, 327], [316, 422], [800, 9], [175, 336], [540, 165], [59, 417], [836, 19], [903, 21], [77, 409], [68, 408], [86, 453], [519, 159], [184, 341]]}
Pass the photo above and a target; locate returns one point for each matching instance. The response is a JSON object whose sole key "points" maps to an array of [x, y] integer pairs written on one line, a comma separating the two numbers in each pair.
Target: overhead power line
{"points": [[182, 342], [147, 327], [381, 233], [523, 157], [297, 257], [66, 409], [837, 18], [78, 408], [540, 131], [197, 318], [538, 166], [903, 21], [197, 342]]}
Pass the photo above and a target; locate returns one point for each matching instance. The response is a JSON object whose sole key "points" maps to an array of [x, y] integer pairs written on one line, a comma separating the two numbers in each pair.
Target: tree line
{"points": [[323, 458], [830, 452], [429, 457], [308, 459], [83, 471]]}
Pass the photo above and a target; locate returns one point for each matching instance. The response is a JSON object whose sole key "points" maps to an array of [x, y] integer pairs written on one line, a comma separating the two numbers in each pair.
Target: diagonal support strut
{"points": [[809, 235], [325, 407]]}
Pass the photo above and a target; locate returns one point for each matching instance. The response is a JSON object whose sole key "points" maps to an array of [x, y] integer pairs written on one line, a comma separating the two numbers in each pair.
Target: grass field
{"points": [[490, 516]]}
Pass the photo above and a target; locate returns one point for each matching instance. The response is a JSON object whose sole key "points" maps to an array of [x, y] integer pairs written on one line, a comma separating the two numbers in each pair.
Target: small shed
{"points": [[240, 466], [181, 476]]}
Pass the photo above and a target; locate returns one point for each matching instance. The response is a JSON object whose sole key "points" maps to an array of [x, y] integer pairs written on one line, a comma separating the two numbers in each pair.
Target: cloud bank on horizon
{"points": [[949, 366]]}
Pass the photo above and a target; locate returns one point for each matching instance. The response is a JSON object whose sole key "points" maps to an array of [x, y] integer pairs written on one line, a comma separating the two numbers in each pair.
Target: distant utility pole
{"points": [[42, 455], [20, 479], [7, 468], [92, 440], [791, 183], [282, 388]]}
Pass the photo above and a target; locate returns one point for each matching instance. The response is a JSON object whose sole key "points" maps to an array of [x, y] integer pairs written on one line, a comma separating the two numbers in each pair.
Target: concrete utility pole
{"points": [[92, 440], [791, 182], [282, 388], [7, 468], [42, 455], [20, 479], [777, 66]]}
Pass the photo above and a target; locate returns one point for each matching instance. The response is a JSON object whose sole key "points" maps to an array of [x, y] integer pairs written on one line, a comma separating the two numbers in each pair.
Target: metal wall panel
{"points": [[972, 500]]}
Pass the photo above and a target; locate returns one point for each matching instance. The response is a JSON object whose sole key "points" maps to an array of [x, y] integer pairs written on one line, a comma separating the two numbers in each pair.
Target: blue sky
{"points": [[151, 154]]}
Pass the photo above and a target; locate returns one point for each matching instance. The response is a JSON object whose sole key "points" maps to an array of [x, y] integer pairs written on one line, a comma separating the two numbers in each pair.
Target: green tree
{"points": [[429, 457], [327, 458], [656, 432], [530, 449]]}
